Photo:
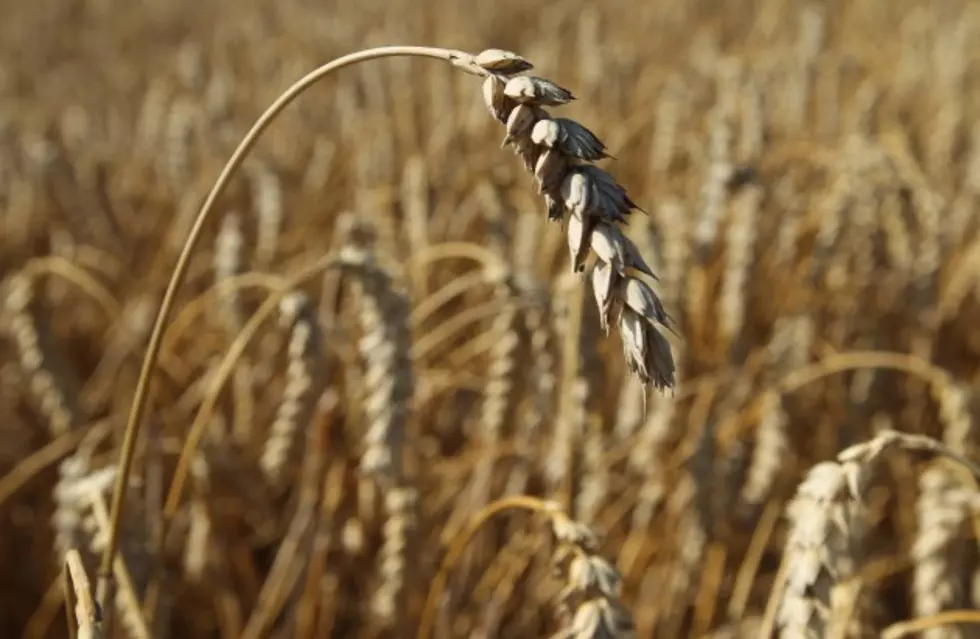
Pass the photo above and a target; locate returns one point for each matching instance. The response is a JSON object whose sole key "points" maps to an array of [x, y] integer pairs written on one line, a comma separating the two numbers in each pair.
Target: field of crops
{"points": [[672, 335]]}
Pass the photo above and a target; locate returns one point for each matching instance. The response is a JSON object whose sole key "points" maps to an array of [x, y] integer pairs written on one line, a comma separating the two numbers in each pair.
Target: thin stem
{"points": [[199, 305], [444, 295], [71, 599], [70, 272], [221, 375], [459, 544], [32, 465], [949, 617], [455, 325], [459, 59], [456, 250], [855, 360]]}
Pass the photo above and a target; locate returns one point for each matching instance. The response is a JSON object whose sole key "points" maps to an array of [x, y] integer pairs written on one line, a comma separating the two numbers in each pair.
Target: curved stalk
{"points": [[458, 546], [460, 59]]}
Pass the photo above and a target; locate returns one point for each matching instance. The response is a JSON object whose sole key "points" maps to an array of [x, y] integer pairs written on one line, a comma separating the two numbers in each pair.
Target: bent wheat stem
{"points": [[458, 546], [54, 265], [200, 304], [906, 628], [138, 407]]}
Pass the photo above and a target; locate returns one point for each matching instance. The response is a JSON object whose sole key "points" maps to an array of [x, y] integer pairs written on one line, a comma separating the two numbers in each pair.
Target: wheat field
{"points": [[385, 404]]}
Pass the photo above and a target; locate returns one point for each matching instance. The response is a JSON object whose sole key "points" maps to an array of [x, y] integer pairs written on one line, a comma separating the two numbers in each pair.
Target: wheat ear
{"points": [[389, 386], [305, 382], [941, 510], [824, 546], [590, 600], [51, 383], [228, 254], [559, 152]]}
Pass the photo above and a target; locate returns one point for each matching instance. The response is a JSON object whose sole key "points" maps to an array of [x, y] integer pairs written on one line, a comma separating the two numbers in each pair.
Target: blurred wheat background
{"points": [[811, 171]]}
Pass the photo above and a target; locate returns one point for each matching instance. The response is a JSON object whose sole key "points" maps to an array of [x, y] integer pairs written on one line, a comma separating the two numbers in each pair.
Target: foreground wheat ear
{"points": [[557, 150]]}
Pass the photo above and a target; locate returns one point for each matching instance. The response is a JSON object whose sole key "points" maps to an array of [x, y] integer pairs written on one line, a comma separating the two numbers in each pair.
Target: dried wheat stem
{"points": [[416, 206], [73, 272], [127, 600], [204, 302], [133, 327], [458, 546], [593, 489], [853, 360], [29, 467], [78, 596], [573, 392], [134, 420], [284, 573], [458, 286], [937, 621]]}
